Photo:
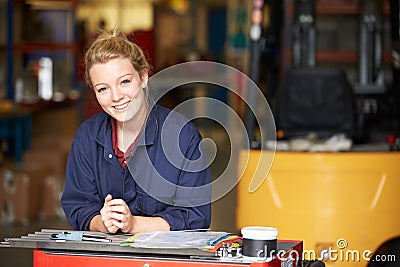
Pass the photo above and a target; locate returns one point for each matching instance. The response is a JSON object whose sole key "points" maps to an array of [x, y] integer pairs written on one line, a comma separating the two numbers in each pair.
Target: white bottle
{"points": [[19, 90], [45, 82]]}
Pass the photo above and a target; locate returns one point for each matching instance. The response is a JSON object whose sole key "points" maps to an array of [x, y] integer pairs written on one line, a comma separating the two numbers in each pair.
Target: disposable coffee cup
{"points": [[259, 243]]}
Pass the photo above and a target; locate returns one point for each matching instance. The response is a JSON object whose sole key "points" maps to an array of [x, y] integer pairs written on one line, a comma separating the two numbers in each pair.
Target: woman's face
{"points": [[119, 88]]}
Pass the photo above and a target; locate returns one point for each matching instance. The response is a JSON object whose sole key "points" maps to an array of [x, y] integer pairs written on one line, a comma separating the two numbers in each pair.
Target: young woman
{"points": [[134, 167]]}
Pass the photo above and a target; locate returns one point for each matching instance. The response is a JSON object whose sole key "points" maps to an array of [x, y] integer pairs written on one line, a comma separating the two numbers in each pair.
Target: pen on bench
{"points": [[84, 238], [79, 236], [95, 237]]}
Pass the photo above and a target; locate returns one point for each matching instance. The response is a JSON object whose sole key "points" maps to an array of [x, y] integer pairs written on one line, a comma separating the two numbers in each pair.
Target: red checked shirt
{"points": [[118, 153]]}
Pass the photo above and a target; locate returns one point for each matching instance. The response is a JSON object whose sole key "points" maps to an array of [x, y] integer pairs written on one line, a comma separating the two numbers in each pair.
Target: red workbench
{"points": [[57, 253]]}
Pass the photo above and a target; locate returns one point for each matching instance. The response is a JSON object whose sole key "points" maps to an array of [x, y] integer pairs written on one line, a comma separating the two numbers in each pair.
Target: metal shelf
{"points": [[14, 47]]}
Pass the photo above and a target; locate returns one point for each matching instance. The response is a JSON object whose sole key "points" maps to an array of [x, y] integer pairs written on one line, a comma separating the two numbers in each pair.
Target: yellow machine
{"points": [[342, 205]]}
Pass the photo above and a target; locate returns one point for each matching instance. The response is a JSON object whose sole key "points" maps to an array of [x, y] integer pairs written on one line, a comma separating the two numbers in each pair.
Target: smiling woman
{"points": [[117, 153], [117, 86]]}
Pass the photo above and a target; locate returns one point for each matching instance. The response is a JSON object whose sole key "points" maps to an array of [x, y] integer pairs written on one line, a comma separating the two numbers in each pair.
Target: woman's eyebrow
{"points": [[97, 84], [127, 74]]}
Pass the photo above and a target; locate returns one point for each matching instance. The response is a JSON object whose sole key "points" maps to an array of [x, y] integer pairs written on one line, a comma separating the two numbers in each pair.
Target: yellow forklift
{"points": [[342, 204]]}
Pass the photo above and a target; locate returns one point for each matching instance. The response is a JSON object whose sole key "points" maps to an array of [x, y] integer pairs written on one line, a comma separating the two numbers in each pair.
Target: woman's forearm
{"points": [[97, 225], [147, 224]]}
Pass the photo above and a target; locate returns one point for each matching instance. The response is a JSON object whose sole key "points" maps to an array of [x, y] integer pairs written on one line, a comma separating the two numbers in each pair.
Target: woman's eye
{"points": [[101, 90], [126, 81]]}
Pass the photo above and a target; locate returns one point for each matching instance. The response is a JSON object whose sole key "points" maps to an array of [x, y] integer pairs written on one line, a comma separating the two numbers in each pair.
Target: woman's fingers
{"points": [[107, 199], [118, 216], [119, 208], [115, 215], [116, 202], [113, 228]]}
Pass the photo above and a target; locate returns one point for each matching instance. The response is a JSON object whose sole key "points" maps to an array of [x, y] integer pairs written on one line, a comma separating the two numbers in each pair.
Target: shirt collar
{"points": [[147, 137]]}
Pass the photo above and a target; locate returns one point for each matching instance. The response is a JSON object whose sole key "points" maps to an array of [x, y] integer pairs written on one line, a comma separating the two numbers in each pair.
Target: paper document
{"points": [[175, 239]]}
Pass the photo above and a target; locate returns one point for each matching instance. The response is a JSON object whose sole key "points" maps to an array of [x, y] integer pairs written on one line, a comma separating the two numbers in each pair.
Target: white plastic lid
{"points": [[259, 232]]}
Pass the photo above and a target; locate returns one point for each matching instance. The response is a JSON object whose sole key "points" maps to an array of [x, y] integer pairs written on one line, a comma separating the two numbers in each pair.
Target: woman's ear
{"points": [[145, 79]]}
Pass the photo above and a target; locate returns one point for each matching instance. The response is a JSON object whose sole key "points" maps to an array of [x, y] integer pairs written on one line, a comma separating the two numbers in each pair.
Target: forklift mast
{"points": [[370, 78]]}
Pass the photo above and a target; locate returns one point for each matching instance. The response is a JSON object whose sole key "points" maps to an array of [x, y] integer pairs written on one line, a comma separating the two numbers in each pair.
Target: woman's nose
{"points": [[116, 93]]}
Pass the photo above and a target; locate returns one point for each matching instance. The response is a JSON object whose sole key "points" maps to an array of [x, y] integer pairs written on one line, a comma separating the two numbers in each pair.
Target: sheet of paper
{"points": [[176, 239]]}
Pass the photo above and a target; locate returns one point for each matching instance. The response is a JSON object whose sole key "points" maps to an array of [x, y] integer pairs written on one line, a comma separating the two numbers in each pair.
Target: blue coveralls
{"points": [[182, 197]]}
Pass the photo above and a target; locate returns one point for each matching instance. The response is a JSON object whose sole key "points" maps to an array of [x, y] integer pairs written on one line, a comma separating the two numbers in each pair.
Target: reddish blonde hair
{"points": [[113, 44]]}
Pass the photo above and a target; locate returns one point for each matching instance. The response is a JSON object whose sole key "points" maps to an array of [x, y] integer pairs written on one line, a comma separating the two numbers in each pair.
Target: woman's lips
{"points": [[122, 106]]}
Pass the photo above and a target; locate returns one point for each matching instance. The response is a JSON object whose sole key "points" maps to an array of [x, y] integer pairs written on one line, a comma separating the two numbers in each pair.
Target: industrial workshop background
{"points": [[325, 67]]}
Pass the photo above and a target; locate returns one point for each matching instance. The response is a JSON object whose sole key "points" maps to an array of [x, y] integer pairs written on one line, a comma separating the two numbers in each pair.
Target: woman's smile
{"points": [[122, 107]]}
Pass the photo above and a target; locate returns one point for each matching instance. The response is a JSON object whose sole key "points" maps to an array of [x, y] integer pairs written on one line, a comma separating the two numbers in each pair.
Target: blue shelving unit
{"points": [[61, 41], [9, 50], [60, 45]]}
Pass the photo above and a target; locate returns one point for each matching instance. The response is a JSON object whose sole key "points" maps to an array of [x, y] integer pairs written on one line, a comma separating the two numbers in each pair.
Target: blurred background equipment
{"points": [[304, 34], [370, 80], [331, 195]]}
